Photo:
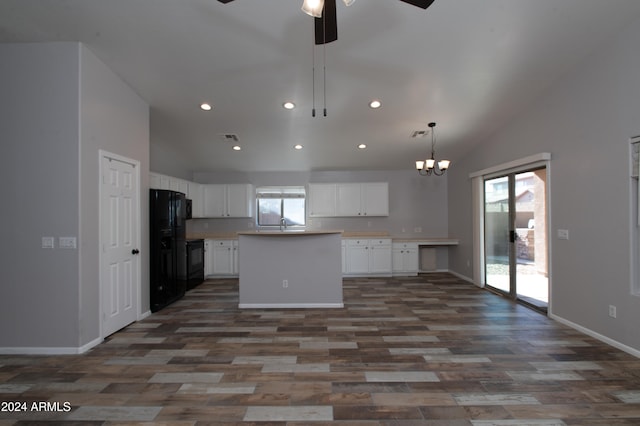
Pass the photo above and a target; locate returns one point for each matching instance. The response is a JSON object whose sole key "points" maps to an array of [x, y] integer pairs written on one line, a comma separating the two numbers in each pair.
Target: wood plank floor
{"points": [[427, 350]]}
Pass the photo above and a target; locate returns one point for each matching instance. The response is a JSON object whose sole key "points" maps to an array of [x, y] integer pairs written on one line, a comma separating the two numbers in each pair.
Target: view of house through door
{"points": [[119, 280], [515, 236]]}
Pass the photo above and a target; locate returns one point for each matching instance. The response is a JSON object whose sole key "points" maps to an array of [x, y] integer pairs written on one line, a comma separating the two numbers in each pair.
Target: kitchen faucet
{"points": [[283, 222]]}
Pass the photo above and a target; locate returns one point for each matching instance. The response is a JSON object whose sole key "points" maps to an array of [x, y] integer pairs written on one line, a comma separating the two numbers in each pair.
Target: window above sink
{"points": [[281, 206]]}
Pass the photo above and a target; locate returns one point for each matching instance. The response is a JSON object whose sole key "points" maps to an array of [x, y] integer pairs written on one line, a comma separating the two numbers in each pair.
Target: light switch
{"points": [[563, 234], [48, 242], [67, 242]]}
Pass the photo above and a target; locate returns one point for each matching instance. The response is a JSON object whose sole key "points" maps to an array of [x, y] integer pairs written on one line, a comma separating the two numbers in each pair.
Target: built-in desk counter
{"points": [[414, 255], [429, 241]]}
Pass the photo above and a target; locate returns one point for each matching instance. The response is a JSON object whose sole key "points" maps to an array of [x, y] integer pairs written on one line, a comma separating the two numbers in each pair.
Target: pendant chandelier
{"points": [[429, 166]]}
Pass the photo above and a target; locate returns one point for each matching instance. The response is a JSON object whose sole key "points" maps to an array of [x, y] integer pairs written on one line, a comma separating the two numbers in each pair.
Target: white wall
{"points": [[60, 105], [113, 118], [585, 121], [39, 165]]}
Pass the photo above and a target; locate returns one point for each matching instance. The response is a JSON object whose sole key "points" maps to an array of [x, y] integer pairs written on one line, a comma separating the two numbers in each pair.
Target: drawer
{"points": [[405, 246], [352, 243], [380, 242]]}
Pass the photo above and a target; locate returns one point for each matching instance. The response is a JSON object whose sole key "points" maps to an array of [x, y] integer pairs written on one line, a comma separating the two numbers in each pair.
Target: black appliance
{"points": [[189, 209], [195, 263], [167, 220]]}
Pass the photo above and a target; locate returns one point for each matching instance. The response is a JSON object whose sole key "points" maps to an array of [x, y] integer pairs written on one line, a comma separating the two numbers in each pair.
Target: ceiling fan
{"points": [[326, 24]]}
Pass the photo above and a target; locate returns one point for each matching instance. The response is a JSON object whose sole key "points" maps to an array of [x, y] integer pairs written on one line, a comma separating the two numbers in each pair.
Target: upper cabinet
{"points": [[196, 195], [349, 199], [374, 199], [322, 199], [362, 199], [209, 201], [226, 201]]}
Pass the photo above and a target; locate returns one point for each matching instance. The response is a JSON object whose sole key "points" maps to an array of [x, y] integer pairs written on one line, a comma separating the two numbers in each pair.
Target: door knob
{"points": [[135, 251]]}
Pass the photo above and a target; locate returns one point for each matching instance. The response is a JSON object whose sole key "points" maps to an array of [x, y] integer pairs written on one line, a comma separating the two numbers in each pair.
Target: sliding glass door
{"points": [[515, 236]]}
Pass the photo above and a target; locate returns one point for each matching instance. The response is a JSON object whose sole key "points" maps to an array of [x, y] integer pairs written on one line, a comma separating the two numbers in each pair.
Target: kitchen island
{"points": [[290, 269]]}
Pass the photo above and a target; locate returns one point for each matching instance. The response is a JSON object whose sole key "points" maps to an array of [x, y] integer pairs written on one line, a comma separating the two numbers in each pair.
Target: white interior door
{"points": [[119, 226]]}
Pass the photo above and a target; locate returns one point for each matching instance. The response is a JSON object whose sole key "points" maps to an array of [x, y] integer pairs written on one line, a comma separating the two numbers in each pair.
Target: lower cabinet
{"points": [[367, 257], [221, 258], [405, 259]]}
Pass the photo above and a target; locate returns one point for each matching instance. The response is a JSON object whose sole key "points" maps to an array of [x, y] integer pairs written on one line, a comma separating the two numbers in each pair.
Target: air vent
{"points": [[419, 133], [229, 137]]}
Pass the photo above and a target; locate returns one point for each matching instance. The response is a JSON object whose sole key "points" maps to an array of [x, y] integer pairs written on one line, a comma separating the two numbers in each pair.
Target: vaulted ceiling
{"points": [[467, 65]]}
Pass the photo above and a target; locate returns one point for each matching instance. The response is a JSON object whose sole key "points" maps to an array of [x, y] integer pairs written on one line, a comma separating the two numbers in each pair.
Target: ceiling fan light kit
{"points": [[324, 12], [428, 167]]}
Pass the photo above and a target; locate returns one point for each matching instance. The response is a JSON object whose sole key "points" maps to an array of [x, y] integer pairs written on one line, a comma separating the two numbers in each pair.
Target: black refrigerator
{"points": [[168, 215]]}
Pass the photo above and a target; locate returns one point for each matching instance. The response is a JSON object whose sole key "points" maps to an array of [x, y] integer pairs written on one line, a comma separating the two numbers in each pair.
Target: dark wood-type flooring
{"points": [[427, 350]]}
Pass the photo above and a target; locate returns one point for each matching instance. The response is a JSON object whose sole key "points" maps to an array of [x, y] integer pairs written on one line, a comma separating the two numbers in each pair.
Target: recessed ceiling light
{"points": [[289, 105], [298, 146], [206, 107], [236, 148], [375, 104], [362, 146]]}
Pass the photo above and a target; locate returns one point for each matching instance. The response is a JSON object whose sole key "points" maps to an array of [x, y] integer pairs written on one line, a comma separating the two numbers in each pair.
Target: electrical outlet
{"points": [[612, 311], [67, 242], [563, 234], [417, 229], [285, 283]]}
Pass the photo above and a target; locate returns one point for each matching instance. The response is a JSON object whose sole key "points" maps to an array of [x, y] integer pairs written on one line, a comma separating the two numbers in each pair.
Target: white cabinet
{"points": [[239, 200], [196, 195], [380, 261], [322, 199], [155, 180], [208, 257], [179, 185], [348, 199], [374, 199], [159, 181], [358, 257], [221, 257], [405, 258], [215, 200], [368, 257], [228, 201]]}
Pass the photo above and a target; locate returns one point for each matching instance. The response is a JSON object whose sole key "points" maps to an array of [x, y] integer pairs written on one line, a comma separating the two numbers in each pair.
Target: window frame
{"points": [[281, 193]]}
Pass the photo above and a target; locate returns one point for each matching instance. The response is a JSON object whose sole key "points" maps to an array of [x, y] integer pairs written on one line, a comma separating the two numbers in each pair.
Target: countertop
{"points": [[290, 233], [345, 234]]}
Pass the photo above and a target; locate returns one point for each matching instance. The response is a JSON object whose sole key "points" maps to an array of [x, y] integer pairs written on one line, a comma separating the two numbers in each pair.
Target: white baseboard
{"points": [[463, 277], [50, 350], [289, 305], [589, 332], [144, 315]]}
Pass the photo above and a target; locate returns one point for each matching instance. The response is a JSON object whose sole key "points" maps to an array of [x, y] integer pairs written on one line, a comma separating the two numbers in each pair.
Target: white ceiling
{"points": [[468, 65]]}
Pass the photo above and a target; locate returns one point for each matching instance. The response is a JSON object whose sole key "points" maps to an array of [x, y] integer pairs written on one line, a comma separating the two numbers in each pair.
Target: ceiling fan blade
{"points": [[420, 3], [327, 26], [225, 1]]}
